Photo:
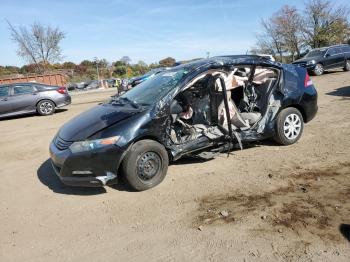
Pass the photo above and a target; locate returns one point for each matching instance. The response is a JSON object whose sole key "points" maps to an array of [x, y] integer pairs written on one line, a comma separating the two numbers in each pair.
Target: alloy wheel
{"points": [[319, 69], [46, 108]]}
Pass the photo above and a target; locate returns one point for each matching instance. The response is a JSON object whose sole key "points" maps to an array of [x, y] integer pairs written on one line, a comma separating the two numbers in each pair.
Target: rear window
{"points": [[4, 91], [19, 90], [346, 49]]}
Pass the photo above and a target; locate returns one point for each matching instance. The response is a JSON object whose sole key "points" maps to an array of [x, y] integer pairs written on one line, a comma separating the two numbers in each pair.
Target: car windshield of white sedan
{"points": [[150, 91]]}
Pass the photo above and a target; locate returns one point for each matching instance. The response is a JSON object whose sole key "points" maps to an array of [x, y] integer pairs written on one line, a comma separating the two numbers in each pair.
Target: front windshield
{"points": [[316, 52], [152, 90]]}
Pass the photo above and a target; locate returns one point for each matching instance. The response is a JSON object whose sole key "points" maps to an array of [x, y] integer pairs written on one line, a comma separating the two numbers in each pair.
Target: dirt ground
{"points": [[264, 203]]}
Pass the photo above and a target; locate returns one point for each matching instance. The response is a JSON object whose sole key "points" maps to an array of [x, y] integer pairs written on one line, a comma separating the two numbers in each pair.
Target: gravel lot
{"points": [[264, 203]]}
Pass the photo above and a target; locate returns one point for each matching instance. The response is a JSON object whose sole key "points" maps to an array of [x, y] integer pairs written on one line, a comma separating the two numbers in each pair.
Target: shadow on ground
{"points": [[48, 177], [342, 91], [345, 231]]}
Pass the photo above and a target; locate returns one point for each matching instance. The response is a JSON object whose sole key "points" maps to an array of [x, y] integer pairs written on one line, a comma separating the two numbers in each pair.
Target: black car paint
{"points": [[328, 61], [133, 124]]}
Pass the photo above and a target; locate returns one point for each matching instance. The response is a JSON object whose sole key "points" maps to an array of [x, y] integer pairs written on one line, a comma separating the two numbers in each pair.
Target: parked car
{"points": [[139, 79], [183, 112], [93, 84], [24, 98], [321, 59]]}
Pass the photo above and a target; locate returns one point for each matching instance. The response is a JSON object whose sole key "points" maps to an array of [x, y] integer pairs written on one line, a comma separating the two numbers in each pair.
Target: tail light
{"points": [[307, 81], [62, 90]]}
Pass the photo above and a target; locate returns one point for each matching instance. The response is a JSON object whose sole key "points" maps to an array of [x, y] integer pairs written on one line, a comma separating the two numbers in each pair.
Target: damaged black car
{"points": [[197, 109]]}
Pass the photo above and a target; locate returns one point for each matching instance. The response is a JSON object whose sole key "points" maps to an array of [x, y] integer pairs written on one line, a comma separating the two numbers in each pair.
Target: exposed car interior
{"points": [[199, 111]]}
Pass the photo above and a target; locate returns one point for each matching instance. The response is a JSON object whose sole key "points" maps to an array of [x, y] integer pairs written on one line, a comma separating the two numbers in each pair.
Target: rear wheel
{"points": [[45, 107], [347, 65], [318, 70], [289, 126], [145, 165]]}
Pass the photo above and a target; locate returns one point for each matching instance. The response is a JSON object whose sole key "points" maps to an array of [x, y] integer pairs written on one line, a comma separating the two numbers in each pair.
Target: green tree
{"points": [[325, 23]]}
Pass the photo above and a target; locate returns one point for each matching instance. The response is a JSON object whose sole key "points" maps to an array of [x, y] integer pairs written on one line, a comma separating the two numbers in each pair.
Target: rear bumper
{"points": [[309, 103], [64, 101]]}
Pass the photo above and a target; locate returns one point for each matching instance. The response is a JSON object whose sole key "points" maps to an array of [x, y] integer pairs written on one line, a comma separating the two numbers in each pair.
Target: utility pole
{"points": [[98, 73], [208, 55]]}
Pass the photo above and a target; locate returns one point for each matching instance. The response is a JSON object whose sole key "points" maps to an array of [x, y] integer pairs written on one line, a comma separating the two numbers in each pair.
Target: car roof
{"points": [[227, 60], [327, 47]]}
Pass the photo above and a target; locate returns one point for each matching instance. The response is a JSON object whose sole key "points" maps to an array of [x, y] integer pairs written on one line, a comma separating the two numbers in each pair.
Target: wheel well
{"points": [[45, 100], [301, 110], [147, 137]]}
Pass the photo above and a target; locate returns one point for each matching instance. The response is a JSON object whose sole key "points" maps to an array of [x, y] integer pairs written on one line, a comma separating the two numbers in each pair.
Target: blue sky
{"points": [[143, 30]]}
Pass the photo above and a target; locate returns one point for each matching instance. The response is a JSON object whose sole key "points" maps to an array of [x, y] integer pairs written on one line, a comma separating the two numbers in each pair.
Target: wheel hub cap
{"points": [[148, 165], [292, 126], [319, 69], [46, 107]]}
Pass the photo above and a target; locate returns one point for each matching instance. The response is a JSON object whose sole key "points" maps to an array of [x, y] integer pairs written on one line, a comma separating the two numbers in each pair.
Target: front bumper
{"points": [[309, 67], [88, 169]]}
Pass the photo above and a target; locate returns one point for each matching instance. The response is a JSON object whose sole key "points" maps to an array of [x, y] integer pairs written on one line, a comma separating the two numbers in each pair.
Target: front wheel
{"points": [[45, 107], [145, 165], [289, 126], [347, 65], [318, 70]]}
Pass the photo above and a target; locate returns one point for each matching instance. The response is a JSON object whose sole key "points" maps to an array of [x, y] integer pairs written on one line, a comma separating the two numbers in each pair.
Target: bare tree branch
{"points": [[39, 45]]}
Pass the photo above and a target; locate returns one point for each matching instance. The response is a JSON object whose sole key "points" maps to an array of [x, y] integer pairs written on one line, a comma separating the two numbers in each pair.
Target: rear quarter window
{"points": [[4, 91], [346, 49]]}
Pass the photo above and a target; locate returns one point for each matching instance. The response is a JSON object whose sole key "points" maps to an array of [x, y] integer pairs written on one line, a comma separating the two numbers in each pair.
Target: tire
{"points": [[145, 165], [45, 107], [289, 126], [318, 70], [347, 65]]}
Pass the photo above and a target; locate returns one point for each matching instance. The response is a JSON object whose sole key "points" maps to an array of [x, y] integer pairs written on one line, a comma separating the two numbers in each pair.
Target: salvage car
{"points": [[25, 98], [197, 109], [317, 61]]}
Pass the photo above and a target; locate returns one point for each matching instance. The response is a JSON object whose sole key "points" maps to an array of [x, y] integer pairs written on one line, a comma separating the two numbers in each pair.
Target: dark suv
{"points": [[321, 59]]}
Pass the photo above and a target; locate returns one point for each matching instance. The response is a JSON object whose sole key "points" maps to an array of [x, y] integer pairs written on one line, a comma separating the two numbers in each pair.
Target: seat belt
{"points": [[230, 131]]}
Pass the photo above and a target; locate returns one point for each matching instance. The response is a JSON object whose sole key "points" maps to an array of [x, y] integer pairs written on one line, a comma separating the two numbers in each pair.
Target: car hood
{"points": [[305, 59], [97, 118]]}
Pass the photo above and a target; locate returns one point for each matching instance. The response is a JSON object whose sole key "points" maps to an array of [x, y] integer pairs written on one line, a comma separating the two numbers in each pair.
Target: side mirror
{"points": [[175, 108], [327, 55]]}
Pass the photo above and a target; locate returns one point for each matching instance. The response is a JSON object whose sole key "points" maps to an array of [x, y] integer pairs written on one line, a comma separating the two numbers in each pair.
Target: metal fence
{"points": [[48, 79]]}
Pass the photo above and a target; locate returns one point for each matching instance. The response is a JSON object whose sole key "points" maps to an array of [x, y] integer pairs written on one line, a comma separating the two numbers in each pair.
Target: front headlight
{"points": [[88, 145], [312, 62]]}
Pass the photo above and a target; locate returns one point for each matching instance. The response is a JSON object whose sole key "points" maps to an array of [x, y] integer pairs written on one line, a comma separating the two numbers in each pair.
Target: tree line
{"points": [[89, 69], [289, 33], [39, 46]]}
